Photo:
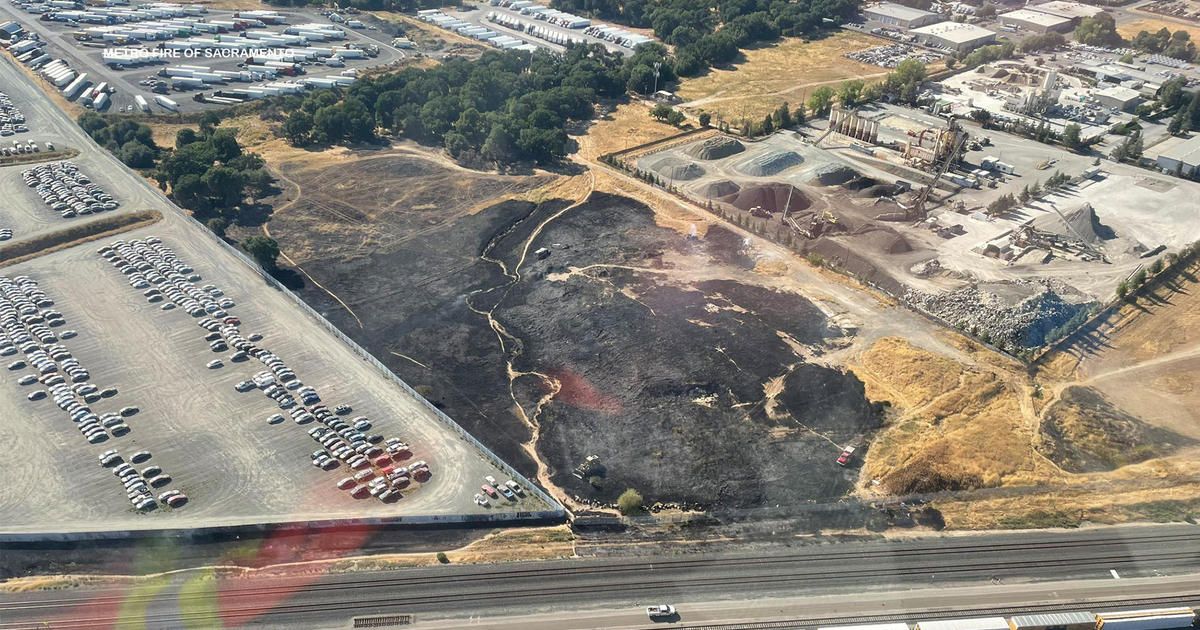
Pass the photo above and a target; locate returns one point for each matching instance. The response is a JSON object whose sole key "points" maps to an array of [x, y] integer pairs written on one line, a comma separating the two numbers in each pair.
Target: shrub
{"points": [[441, 557], [629, 502]]}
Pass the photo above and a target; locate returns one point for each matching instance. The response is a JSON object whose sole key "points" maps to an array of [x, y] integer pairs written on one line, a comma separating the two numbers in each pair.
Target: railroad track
{"points": [[366, 595], [946, 613]]}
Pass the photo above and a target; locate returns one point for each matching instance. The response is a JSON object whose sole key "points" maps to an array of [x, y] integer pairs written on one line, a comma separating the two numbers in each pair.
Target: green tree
{"points": [[1098, 30], [298, 128], [820, 100], [263, 249], [661, 111], [705, 119], [630, 502], [1071, 136], [849, 92]]}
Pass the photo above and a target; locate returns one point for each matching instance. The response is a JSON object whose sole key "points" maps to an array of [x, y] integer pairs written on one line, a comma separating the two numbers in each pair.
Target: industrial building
{"points": [[1054, 621], [1182, 159], [1119, 97], [956, 36], [1074, 11], [1036, 21], [898, 15]]}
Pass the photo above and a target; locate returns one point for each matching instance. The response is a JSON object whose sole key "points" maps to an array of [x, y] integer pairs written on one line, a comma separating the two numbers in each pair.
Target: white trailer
{"points": [[166, 103], [141, 103], [100, 101], [75, 86]]}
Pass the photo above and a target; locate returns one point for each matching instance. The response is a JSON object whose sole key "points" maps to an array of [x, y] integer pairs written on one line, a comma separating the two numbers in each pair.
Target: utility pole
{"points": [[657, 64]]}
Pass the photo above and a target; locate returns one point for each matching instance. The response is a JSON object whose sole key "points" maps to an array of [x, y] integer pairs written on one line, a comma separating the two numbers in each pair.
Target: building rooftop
{"points": [[1062, 8], [897, 11], [1187, 152], [1035, 17], [955, 31], [1120, 93]]}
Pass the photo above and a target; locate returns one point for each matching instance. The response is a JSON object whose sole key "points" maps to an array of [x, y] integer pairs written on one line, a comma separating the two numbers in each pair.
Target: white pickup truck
{"points": [[660, 611]]}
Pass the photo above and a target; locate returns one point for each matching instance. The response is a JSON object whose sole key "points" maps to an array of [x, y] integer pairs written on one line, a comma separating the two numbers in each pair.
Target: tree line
{"points": [[129, 140], [505, 107], [712, 32]]}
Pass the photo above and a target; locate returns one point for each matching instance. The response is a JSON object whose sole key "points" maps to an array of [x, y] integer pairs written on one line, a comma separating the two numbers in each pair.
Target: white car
{"points": [[660, 611]]}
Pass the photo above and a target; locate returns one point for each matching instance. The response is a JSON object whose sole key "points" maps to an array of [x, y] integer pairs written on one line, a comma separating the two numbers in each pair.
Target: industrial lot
{"points": [[678, 311], [222, 448]]}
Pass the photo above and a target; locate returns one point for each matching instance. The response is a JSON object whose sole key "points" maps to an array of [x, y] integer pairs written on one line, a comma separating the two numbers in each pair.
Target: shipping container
{"points": [[977, 623], [1156, 619]]}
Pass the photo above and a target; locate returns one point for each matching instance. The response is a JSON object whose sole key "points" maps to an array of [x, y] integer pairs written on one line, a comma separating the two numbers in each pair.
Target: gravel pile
{"points": [[674, 168], [715, 148], [1005, 324], [770, 163]]}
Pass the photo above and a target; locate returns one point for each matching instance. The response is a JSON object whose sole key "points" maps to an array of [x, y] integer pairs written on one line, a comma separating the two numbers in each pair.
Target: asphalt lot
{"points": [[610, 591], [214, 441], [89, 59], [23, 209]]}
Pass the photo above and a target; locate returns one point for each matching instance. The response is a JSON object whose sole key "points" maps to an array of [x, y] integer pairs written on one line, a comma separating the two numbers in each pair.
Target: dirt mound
{"points": [[672, 167], [773, 197], [1082, 224], [770, 163], [833, 175], [883, 239], [718, 189], [715, 148]]}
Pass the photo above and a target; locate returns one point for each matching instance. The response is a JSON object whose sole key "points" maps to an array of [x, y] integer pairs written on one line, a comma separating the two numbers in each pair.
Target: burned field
{"points": [[587, 326]]}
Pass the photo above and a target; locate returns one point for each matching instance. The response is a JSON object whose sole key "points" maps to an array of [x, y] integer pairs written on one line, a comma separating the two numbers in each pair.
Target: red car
{"points": [[491, 492], [846, 456]]}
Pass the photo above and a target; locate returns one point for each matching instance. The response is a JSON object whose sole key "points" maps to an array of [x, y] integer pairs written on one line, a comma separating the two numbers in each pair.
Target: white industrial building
{"points": [[1182, 159], [1036, 21], [956, 36], [1074, 11], [898, 15], [1119, 97]]}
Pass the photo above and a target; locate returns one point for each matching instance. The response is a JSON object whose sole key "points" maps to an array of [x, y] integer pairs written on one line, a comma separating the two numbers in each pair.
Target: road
{"points": [[1100, 555]]}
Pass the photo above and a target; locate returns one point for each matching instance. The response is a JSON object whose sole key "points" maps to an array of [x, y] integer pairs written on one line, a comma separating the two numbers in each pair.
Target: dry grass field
{"points": [[1153, 24], [774, 74]]}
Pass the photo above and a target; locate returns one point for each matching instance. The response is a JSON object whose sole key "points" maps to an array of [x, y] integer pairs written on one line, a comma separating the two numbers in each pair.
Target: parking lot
{"points": [[89, 56], [24, 212], [221, 448]]}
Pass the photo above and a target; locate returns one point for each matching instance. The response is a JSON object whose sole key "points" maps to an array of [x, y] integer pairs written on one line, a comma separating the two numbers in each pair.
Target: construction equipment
{"points": [[917, 209]]}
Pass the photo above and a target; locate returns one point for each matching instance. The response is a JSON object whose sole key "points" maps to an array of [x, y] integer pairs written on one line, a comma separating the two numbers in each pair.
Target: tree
{"points": [[136, 155], [661, 111], [1071, 137], [1099, 30], [705, 119], [263, 249], [443, 558], [849, 92], [208, 122], [298, 128], [675, 117], [217, 226], [820, 100], [629, 502]]}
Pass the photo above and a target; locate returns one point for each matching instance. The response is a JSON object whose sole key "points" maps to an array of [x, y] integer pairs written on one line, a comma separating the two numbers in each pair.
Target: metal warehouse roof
{"points": [[1120, 93], [978, 623], [1066, 9], [897, 11], [1035, 17], [955, 31], [1187, 152], [1053, 619]]}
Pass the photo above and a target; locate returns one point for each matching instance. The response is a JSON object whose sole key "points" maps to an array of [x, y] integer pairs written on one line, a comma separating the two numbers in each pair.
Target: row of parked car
{"points": [[28, 320], [66, 190], [157, 272], [140, 485], [12, 121], [493, 489]]}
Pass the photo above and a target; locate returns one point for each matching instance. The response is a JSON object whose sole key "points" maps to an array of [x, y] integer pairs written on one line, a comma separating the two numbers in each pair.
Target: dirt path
{"points": [[512, 346]]}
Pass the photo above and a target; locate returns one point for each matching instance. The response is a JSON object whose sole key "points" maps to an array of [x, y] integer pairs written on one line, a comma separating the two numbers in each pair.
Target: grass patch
{"points": [[784, 72], [22, 250], [44, 156], [1040, 519]]}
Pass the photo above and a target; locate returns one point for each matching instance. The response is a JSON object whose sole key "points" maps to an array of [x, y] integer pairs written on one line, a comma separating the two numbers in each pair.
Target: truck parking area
{"points": [[185, 51]]}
